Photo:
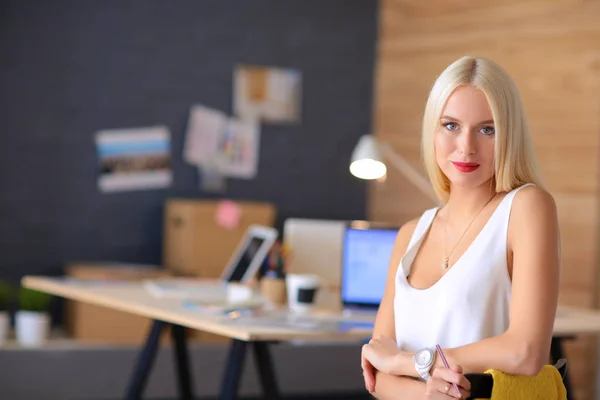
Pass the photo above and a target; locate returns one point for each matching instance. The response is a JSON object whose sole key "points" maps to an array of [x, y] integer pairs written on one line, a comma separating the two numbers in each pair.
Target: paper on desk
{"points": [[303, 322], [223, 306]]}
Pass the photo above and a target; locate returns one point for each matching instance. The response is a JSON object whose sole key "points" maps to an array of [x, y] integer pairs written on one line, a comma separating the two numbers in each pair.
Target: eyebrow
{"points": [[491, 121]]}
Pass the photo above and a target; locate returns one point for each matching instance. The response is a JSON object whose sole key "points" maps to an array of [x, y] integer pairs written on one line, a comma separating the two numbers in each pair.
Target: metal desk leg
{"points": [[557, 352], [265, 370], [182, 361], [233, 372], [144, 363]]}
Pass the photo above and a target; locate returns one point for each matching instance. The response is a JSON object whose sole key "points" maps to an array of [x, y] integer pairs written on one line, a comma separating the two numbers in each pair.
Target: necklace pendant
{"points": [[445, 263]]}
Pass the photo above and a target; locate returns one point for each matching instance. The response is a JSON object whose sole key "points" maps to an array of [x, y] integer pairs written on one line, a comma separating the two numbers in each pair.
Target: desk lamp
{"points": [[367, 163]]}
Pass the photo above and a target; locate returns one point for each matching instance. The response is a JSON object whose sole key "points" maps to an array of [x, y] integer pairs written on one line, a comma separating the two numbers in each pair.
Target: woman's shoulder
{"points": [[408, 228], [533, 200], [533, 208]]}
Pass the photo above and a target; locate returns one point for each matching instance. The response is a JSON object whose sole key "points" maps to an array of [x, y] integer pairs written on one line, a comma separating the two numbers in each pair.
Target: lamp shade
{"points": [[366, 160]]}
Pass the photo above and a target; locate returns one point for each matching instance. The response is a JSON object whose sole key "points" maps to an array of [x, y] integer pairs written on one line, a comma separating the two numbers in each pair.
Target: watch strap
{"points": [[425, 375], [424, 371]]}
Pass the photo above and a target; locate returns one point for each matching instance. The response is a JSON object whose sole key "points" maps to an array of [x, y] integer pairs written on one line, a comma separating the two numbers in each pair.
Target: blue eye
{"points": [[451, 126], [488, 130]]}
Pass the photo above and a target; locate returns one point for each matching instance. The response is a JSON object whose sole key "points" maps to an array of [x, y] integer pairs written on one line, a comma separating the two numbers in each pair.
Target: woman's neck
{"points": [[466, 202]]}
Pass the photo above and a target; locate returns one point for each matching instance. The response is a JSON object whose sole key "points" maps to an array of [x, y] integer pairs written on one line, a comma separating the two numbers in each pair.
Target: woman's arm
{"points": [[535, 246], [388, 387], [384, 321], [378, 383]]}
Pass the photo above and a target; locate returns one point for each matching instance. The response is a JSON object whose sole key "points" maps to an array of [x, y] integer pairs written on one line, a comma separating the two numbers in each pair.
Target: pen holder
{"points": [[273, 289]]}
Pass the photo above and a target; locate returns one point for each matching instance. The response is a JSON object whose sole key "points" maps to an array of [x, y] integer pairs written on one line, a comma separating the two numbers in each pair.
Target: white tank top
{"points": [[470, 302]]}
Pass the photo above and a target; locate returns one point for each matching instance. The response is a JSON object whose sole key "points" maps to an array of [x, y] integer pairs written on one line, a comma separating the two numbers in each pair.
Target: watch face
{"points": [[423, 357]]}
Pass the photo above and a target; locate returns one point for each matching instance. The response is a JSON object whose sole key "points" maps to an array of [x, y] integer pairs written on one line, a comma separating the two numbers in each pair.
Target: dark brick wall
{"points": [[70, 68]]}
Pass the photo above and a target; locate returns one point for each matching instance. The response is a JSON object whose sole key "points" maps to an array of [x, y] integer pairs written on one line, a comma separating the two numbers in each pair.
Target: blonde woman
{"points": [[479, 275]]}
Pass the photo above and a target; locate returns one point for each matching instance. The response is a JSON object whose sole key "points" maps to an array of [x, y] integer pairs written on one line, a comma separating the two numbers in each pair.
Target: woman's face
{"points": [[464, 138]]}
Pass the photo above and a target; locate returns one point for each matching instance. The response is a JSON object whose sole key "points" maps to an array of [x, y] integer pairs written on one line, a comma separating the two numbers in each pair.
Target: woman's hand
{"points": [[383, 354], [439, 386], [368, 372]]}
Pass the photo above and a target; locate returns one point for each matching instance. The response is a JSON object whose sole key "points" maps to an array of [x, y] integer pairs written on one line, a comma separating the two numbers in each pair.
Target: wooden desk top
{"points": [[133, 298]]}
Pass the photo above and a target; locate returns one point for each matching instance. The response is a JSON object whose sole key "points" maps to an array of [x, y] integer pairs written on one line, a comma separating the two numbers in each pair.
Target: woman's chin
{"points": [[470, 180]]}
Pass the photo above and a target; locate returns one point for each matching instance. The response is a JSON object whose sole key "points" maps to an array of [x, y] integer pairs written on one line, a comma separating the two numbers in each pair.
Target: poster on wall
{"points": [[221, 146], [134, 159], [267, 94]]}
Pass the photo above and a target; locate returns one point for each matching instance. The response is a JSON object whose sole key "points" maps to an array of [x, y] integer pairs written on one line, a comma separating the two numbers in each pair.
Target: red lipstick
{"points": [[465, 167]]}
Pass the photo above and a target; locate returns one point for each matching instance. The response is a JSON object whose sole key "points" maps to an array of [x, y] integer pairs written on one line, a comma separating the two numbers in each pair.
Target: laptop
{"points": [[366, 252], [243, 265]]}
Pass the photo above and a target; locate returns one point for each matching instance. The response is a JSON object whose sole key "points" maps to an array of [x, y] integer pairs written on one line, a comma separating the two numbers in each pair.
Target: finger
{"points": [[368, 375], [364, 352], [365, 364], [463, 382], [369, 378], [363, 360], [457, 368], [451, 376], [446, 388], [436, 389]]}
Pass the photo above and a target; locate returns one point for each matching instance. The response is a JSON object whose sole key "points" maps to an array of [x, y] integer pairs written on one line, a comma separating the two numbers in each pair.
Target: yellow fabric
{"points": [[547, 385]]}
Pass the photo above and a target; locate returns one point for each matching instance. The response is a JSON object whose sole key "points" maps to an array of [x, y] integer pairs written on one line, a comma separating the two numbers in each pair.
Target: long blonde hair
{"points": [[515, 161]]}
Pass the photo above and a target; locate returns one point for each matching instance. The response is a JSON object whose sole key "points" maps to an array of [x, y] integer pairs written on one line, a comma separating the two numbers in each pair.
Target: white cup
{"points": [[32, 328], [302, 291], [239, 293]]}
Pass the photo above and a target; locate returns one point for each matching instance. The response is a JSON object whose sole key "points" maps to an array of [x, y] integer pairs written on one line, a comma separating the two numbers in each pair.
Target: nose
{"points": [[467, 143]]}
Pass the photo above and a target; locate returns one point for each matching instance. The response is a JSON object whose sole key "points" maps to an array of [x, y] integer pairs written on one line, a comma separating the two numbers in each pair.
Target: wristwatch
{"points": [[424, 359]]}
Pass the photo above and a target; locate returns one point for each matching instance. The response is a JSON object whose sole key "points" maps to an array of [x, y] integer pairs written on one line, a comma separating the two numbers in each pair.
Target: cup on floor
{"points": [[301, 291]]}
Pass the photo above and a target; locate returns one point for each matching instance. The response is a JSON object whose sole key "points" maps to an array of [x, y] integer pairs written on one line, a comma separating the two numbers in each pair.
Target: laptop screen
{"points": [[365, 257], [248, 254]]}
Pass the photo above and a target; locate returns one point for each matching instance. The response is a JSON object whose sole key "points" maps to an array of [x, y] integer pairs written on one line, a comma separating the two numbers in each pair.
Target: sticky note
{"points": [[228, 214]]}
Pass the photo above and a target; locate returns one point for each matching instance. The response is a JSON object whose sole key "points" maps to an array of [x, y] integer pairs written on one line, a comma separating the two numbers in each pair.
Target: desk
{"points": [[131, 297]]}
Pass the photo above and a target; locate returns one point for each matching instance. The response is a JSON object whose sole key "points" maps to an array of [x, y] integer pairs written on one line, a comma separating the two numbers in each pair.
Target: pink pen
{"points": [[441, 354]]}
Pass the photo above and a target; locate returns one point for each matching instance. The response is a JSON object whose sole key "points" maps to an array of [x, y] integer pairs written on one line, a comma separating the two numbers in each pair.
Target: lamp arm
{"points": [[409, 172]]}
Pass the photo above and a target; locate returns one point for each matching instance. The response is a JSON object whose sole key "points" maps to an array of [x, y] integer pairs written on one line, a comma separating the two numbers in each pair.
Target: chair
{"points": [[482, 384]]}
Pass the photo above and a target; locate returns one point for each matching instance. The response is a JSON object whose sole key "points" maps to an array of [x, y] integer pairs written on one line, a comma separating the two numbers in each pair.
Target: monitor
{"points": [[316, 247], [250, 254], [366, 253]]}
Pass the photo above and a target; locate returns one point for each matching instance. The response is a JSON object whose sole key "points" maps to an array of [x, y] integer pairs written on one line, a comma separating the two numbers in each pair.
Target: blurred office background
{"points": [[69, 69]]}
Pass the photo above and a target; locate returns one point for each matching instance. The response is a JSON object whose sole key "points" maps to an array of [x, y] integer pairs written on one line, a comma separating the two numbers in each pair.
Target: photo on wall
{"points": [[267, 94], [134, 159]]}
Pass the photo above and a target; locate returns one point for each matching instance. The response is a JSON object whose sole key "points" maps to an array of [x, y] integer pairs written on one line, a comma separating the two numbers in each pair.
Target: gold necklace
{"points": [[445, 263]]}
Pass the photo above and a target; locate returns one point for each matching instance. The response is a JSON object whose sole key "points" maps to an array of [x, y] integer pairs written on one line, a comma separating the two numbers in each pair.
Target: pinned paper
{"points": [[204, 132], [223, 146], [269, 94], [239, 149], [228, 214]]}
